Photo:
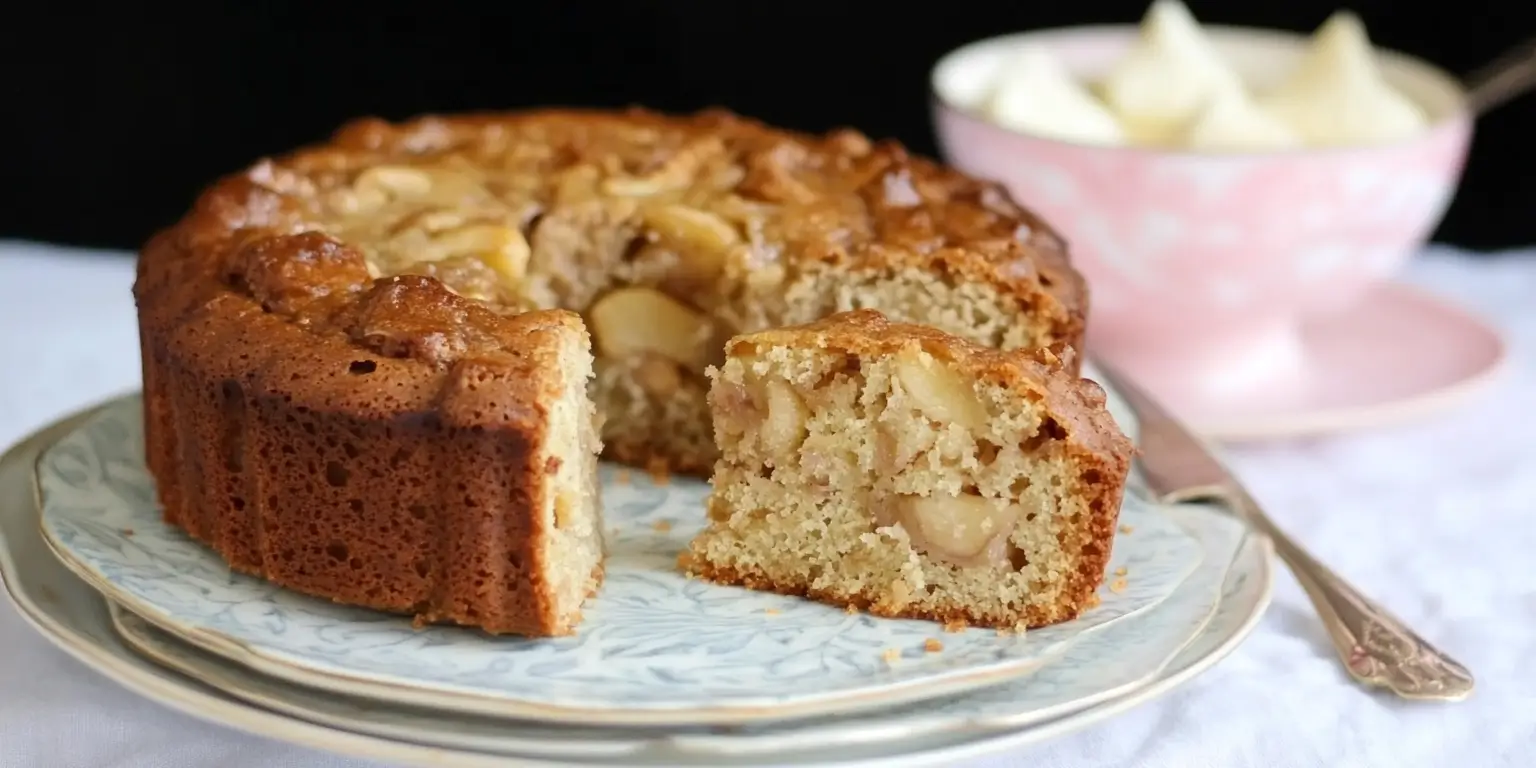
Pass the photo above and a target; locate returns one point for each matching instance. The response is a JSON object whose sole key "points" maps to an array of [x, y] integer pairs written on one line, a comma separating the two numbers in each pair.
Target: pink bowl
{"points": [[1204, 266]]}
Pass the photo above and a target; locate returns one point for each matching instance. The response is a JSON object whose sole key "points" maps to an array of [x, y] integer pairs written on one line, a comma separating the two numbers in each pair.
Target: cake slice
{"points": [[897, 469]]}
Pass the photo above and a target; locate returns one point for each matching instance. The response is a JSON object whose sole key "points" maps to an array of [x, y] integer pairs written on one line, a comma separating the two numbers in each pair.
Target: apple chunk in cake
{"points": [[910, 473]]}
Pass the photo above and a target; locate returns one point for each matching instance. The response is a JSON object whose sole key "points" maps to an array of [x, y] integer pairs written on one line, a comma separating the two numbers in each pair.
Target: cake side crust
{"points": [[323, 465]]}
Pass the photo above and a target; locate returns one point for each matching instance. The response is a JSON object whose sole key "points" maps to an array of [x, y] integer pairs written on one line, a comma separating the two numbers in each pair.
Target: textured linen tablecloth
{"points": [[1435, 518]]}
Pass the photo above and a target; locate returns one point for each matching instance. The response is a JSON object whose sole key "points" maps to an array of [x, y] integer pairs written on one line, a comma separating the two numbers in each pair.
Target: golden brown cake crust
{"points": [[840, 197], [378, 455], [871, 600], [1077, 404], [327, 419], [804, 202]]}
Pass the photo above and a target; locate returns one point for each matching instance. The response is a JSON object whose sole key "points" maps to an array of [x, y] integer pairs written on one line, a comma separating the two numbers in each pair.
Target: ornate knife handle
{"points": [[1376, 647]]}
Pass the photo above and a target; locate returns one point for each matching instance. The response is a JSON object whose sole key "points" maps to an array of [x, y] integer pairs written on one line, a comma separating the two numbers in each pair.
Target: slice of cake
{"points": [[908, 472]]}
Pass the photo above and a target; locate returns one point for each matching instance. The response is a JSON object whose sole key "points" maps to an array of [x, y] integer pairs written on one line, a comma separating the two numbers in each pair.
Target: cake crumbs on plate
{"points": [[932, 645], [1094, 600], [1121, 571], [1118, 585], [621, 477], [657, 469], [890, 655], [770, 611], [1127, 528], [956, 625], [128, 532], [661, 526], [851, 609]]}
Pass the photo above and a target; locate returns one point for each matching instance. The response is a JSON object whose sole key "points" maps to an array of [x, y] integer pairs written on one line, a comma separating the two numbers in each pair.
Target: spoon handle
{"points": [[1510, 75]]}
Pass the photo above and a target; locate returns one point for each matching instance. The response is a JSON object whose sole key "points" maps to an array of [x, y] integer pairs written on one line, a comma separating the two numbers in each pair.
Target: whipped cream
{"points": [[1035, 94], [1337, 94], [1171, 73], [1233, 123]]}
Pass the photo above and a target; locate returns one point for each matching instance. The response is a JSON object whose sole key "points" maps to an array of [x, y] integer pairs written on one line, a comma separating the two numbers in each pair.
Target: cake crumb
{"points": [[621, 477], [685, 562], [128, 532], [890, 655], [1094, 600], [770, 611], [899, 597], [661, 526], [1127, 528], [851, 609], [932, 645], [657, 469], [1121, 571], [1117, 586], [956, 625]]}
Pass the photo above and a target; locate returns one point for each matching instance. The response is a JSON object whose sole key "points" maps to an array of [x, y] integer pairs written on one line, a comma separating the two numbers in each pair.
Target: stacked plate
{"points": [[664, 671]]}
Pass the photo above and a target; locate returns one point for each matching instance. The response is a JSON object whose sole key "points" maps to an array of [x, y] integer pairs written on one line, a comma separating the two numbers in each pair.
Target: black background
{"points": [[116, 114]]}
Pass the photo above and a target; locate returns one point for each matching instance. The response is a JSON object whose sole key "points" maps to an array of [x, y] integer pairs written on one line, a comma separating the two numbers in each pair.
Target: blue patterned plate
{"points": [[654, 649], [1224, 593]]}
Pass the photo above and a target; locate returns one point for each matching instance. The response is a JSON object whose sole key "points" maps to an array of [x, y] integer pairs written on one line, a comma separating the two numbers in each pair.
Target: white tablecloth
{"points": [[1435, 518]]}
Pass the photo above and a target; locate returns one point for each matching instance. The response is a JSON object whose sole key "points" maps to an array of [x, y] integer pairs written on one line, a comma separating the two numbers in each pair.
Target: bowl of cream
{"points": [[1217, 186]]}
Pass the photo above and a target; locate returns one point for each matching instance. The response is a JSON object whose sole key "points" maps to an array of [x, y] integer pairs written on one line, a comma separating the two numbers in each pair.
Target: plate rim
{"points": [[140, 676], [937, 727], [707, 745], [152, 649], [1165, 682], [214, 709], [936, 685], [1312, 422]]}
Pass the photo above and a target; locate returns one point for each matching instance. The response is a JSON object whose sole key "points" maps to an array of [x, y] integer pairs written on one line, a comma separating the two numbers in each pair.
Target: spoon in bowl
{"points": [[1501, 80]]}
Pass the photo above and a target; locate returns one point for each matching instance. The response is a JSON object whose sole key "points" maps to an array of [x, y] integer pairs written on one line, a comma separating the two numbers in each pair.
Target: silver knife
{"points": [[1376, 647]]}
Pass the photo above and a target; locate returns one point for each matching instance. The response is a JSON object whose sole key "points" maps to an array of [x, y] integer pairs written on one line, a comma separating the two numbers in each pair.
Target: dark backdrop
{"points": [[115, 115]]}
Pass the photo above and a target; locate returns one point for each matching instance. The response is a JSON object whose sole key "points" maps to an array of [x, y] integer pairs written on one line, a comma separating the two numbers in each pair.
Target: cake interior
{"points": [[573, 548], [653, 349], [666, 252], [892, 482]]}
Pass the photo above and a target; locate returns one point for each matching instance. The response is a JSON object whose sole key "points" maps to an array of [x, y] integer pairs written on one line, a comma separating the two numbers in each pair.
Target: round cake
{"points": [[380, 370]]}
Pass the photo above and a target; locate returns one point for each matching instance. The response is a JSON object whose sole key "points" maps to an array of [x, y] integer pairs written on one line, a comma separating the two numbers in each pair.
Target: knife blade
{"points": [[1177, 465]]}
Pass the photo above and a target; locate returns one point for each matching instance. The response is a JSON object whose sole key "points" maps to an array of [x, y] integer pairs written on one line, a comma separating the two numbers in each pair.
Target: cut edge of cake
{"points": [[574, 550], [900, 470]]}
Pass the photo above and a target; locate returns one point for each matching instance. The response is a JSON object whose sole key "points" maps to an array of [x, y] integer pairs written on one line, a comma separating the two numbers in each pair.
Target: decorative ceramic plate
{"points": [[1399, 353], [655, 648], [69, 614], [1106, 665]]}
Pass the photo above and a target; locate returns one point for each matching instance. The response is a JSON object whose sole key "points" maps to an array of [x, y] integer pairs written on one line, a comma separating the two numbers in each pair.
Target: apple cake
{"points": [[911, 473], [366, 363]]}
